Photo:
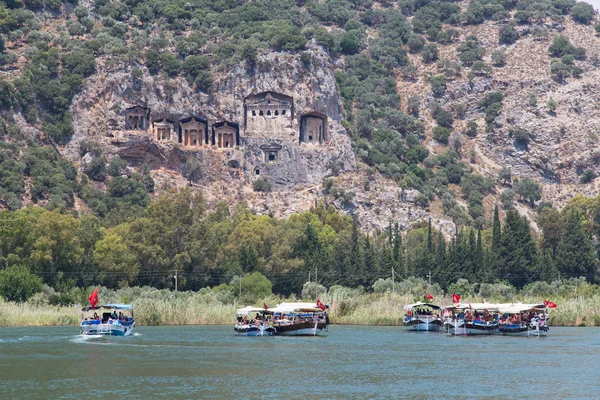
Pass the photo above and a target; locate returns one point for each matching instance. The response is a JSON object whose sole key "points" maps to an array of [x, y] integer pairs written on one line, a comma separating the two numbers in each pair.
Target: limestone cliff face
{"points": [[273, 149]]}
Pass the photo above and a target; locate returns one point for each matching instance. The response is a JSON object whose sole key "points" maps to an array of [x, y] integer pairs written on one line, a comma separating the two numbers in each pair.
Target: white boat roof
{"points": [[249, 309], [478, 306], [115, 306], [516, 308], [296, 307], [420, 304]]}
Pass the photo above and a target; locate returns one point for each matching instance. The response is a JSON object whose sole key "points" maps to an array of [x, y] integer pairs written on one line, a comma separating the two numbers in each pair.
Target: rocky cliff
{"points": [[99, 115]]}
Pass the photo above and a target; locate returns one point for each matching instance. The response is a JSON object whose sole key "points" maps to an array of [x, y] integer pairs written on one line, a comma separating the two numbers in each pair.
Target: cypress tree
{"points": [[517, 251], [429, 238], [472, 268], [479, 259], [496, 231], [439, 269], [575, 254], [370, 262], [397, 243], [494, 267], [356, 259], [397, 251]]}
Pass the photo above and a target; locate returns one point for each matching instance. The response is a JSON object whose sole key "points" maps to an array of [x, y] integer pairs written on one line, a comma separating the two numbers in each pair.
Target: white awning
{"points": [[517, 308], [249, 309], [421, 305]]}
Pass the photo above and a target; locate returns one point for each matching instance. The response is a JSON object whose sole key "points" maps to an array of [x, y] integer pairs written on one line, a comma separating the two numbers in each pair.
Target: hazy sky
{"points": [[595, 3]]}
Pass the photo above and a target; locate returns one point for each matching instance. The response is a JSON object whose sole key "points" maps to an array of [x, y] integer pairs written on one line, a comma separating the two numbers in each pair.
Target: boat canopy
{"points": [[519, 308], [421, 305], [249, 309], [109, 307], [476, 306], [295, 308]]}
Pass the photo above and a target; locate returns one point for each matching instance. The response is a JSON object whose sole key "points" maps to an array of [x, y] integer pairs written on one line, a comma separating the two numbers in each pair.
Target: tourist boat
{"points": [[471, 319], [523, 320], [246, 325], [422, 317], [111, 320], [300, 319]]}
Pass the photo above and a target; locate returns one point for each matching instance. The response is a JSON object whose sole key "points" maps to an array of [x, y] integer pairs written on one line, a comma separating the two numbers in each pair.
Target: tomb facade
{"points": [[163, 130], [226, 135], [136, 118], [193, 132], [271, 152], [268, 115], [313, 128]]}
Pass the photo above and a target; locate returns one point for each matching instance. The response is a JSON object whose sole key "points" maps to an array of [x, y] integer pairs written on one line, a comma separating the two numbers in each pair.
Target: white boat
{"points": [[520, 319], [300, 319], [422, 317], [471, 319], [260, 325], [111, 321]]}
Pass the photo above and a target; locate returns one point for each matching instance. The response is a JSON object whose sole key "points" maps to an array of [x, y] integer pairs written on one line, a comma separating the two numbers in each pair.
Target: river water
{"points": [[189, 362]]}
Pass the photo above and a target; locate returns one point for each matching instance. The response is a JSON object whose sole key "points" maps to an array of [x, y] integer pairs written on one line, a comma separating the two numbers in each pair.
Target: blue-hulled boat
{"points": [[108, 319], [246, 325]]}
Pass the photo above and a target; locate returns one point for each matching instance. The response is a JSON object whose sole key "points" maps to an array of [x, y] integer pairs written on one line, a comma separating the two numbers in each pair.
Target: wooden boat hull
{"points": [[302, 329]]}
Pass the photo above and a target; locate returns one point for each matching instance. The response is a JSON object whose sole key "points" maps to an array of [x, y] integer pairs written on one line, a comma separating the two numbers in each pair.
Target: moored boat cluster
{"points": [[285, 319], [514, 319]]}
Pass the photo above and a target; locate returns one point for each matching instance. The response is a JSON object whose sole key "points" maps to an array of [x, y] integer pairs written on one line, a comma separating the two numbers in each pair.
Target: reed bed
{"points": [[347, 306], [26, 314]]}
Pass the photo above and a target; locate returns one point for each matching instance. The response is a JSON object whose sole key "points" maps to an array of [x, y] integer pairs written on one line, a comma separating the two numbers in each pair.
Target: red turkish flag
{"points": [[94, 298], [455, 298], [265, 306], [428, 296], [551, 304], [321, 305]]}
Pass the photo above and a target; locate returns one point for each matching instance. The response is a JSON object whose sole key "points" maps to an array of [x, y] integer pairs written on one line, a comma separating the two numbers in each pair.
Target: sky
{"points": [[595, 3]]}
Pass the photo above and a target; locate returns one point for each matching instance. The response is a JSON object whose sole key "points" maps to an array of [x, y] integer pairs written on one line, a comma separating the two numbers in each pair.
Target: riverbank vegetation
{"points": [[578, 300], [230, 255]]}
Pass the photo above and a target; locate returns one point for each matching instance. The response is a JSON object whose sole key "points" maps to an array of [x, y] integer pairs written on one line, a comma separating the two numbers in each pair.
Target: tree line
{"points": [[209, 246]]}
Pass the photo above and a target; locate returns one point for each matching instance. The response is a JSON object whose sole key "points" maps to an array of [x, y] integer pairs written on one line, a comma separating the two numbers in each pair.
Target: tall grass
{"points": [[347, 306]]}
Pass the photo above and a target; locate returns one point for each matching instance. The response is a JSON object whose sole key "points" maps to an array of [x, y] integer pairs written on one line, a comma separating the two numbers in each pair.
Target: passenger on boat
{"points": [[114, 315], [96, 316]]}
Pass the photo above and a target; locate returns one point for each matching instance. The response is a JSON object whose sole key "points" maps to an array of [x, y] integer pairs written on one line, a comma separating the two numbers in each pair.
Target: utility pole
{"points": [[309, 276], [393, 281], [317, 274], [240, 286], [429, 279], [175, 276]]}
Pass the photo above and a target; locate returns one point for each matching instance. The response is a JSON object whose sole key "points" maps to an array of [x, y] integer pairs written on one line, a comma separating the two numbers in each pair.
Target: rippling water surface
{"points": [[352, 362]]}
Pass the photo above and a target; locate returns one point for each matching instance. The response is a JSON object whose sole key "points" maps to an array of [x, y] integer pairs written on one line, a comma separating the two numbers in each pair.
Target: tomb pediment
{"points": [[271, 147], [269, 99]]}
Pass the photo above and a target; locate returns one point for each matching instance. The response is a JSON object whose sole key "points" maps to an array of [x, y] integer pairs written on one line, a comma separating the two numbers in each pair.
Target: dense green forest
{"points": [[49, 48], [209, 247]]}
